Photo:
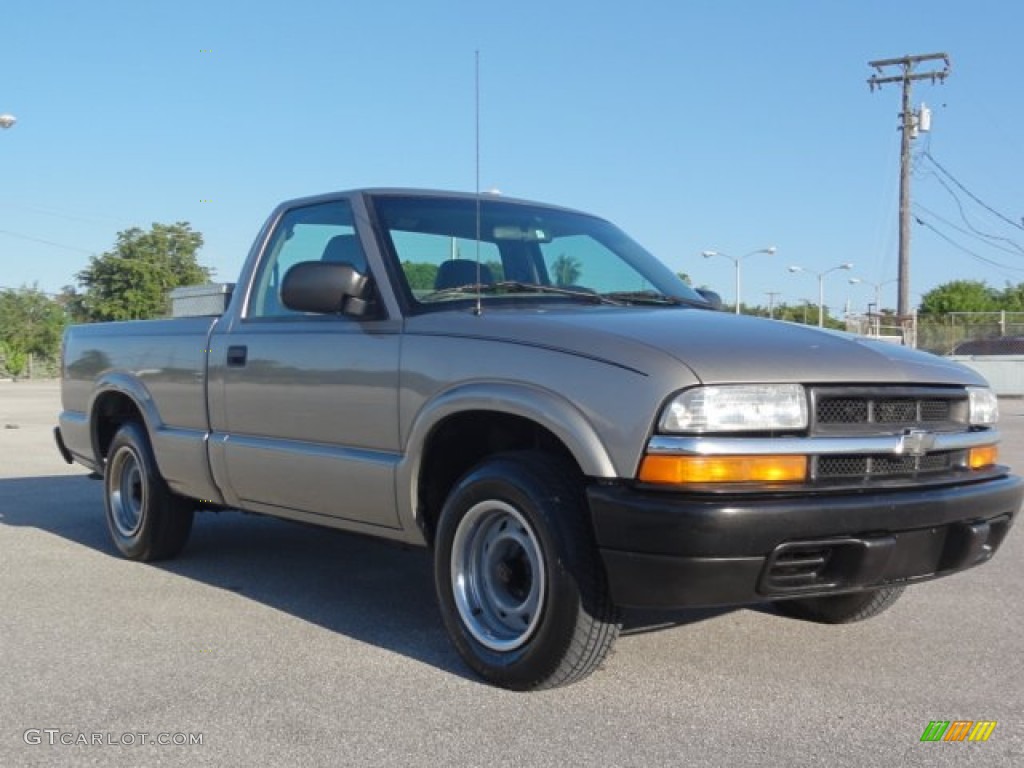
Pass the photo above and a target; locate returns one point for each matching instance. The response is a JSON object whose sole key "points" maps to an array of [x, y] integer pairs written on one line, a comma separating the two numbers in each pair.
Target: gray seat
{"points": [[345, 249], [340, 249], [456, 272]]}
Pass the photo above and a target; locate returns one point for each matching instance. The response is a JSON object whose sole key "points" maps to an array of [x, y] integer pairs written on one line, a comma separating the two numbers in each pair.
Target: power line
{"points": [[1017, 249], [45, 242], [966, 250], [963, 214], [971, 195], [884, 231], [56, 213], [7, 288]]}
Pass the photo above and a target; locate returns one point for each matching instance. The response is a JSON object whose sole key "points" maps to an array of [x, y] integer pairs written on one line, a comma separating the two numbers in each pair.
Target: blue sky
{"points": [[722, 125]]}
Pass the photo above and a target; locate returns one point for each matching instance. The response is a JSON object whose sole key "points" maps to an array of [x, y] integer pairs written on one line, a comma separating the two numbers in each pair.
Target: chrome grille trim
{"points": [[818, 446]]}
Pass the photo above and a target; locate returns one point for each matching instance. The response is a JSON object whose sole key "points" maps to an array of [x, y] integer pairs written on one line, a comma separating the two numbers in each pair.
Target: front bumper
{"points": [[671, 550]]}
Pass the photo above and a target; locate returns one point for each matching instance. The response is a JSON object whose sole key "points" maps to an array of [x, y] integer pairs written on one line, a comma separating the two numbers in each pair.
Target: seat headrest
{"points": [[344, 248], [456, 272]]}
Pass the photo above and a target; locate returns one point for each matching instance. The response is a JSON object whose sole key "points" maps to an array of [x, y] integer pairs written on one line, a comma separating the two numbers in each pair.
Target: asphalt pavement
{"points": [[274, 644]]}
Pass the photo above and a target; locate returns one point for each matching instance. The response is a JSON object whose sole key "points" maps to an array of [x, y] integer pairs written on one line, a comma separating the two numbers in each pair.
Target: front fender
{"points": [[548, 409]]}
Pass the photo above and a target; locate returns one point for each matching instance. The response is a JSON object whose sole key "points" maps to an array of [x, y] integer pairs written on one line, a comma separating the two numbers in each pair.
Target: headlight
{"points": [[737, 408], [984, 406]]}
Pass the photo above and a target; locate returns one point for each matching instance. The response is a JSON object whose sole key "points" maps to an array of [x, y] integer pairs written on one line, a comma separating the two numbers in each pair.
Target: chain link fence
{"points": [[972, 333], [881, 327], [953, 333]]}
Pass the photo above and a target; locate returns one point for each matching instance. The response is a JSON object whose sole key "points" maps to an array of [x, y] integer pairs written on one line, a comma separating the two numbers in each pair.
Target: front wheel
{"points": [[147, 521], [519, 580], [841, 609]]}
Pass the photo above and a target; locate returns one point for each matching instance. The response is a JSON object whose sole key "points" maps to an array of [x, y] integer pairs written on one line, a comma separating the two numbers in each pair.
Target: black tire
{"points": [[522, 589], [841, 609], [146, 520]]}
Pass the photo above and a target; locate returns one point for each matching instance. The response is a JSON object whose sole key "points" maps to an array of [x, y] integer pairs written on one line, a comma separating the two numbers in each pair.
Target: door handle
{"points": [[236, 356]]}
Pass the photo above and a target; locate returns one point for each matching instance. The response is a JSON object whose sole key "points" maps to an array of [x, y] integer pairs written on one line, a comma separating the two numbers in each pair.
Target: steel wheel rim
{"points": [[127, 493], [498, 576]]}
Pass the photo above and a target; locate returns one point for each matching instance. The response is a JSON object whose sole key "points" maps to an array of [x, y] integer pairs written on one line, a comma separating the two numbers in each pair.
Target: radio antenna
{"points": [[476, 105]]}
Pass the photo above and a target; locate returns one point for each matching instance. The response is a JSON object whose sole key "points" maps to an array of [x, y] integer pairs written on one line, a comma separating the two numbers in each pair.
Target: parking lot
{"points": [[279, 644]]}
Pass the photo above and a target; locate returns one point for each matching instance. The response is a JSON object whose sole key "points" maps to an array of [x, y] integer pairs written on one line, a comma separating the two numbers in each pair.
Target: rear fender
{"points": [[129, 386]]}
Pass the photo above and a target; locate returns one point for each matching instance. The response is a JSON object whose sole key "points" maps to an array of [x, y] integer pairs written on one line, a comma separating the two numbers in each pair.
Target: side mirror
{"points": [[326, 288], [710, 297]]}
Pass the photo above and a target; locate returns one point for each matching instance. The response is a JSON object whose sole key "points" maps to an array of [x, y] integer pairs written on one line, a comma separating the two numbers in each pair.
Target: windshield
{"points": [[523, 251]]}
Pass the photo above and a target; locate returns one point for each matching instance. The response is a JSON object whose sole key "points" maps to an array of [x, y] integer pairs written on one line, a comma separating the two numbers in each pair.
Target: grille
{"points": [[796, 568], [843, 410], [842, 466], [935, 410], [861, 411], [880, 410], [871, 467], [895, 411]]}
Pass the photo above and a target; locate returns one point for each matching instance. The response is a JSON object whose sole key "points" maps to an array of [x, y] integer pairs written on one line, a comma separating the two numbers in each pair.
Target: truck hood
{"points": [[716, 347]]}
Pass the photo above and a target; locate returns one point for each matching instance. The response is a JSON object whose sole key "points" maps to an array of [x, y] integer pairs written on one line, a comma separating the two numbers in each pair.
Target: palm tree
{"points": [[566, 270]]}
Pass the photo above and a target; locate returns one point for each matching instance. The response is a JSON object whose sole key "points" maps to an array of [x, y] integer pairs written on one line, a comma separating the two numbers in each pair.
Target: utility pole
{"points": [[771, 302], [910, 122]]}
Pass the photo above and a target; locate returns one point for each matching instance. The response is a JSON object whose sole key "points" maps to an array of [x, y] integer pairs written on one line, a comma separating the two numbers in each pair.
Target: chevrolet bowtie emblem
{"points": [[916, 442]]}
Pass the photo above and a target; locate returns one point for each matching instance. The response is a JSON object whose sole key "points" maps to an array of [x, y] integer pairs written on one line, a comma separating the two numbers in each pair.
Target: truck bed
{"points": [[166, 359]]}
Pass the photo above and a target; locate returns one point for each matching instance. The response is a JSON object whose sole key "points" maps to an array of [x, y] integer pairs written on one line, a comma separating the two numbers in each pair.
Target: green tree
{"points": [[805, 314], [72, 302], [31, 323], [566, 270], [133, 280], [497, 270], [420, 275], [1011, 298], [14, 359], [960, 296]]}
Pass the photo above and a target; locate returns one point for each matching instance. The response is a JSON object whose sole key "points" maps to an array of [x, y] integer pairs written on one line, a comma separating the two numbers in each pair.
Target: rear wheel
{"points": [[521, 587], [841, 609], [147, 521]]}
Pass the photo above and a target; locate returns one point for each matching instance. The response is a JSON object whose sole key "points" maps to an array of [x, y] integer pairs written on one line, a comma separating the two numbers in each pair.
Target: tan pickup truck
{"points": [[568, 426]]}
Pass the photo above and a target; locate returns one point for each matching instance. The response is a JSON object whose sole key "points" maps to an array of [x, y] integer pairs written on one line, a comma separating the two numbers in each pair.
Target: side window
{"points": [[323, 232]]}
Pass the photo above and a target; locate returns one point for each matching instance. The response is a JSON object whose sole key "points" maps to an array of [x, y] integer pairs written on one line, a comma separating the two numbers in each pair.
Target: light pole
{"points": [[6, 121], [878, 299], [821, 286], [736, 260]]}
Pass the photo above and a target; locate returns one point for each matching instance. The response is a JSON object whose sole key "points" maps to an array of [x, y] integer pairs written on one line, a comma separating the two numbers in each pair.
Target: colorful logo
{"points": [[958, 730]]}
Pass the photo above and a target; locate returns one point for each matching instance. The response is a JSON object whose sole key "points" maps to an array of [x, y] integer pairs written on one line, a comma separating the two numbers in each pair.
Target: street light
{"points": [[6, 121], [821, 286], [736, 260], [878, 298]]}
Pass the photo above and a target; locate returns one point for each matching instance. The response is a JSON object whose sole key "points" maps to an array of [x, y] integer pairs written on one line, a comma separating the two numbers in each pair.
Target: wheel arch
{"points": [[118, 399], [460, 427]]}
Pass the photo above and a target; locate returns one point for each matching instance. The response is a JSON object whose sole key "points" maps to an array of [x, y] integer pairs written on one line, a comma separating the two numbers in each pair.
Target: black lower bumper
{"points": [[61, 448], [669, 550]]}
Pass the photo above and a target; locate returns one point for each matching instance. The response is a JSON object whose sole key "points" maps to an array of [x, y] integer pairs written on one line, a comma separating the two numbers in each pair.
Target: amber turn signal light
{"points": [[983, 456], [683, 470]]}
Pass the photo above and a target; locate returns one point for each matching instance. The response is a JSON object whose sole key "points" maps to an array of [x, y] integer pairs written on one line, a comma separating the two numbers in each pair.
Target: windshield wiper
{"points": [[514, 286], [653, 297]]}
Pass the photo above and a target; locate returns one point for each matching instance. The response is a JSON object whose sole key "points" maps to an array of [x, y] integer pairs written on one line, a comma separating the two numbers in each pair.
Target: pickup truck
{"points": [[569, 427]]}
